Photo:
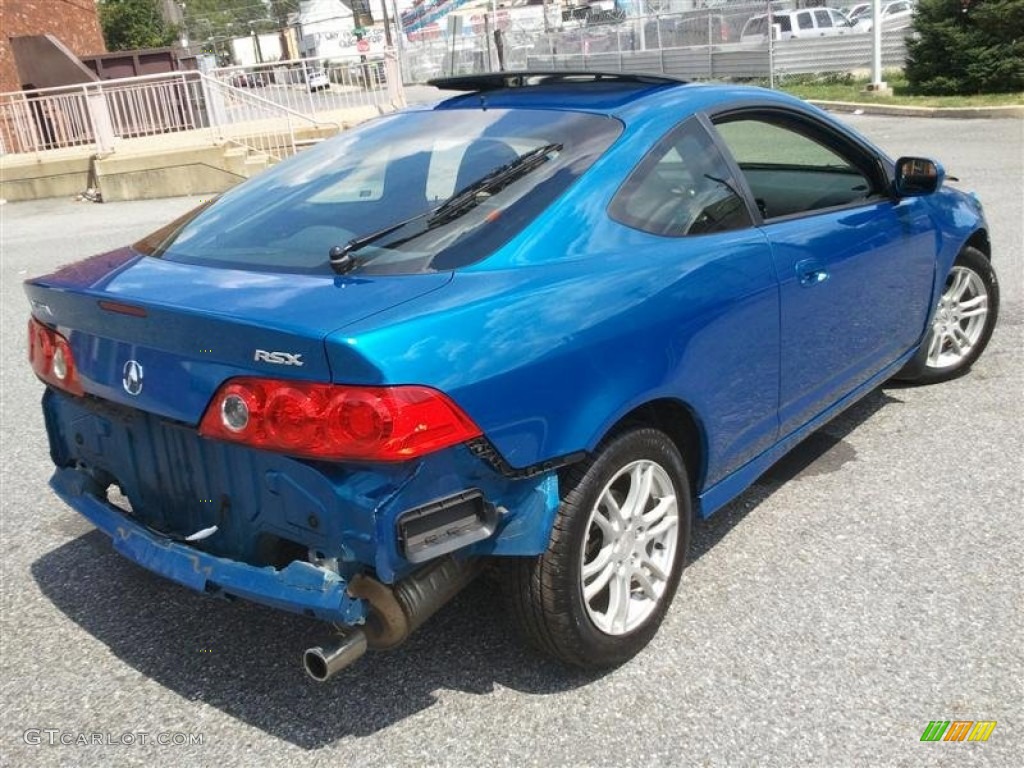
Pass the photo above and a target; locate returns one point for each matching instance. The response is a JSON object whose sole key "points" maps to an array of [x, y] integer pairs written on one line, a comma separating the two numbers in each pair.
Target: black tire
{"points": [[546, 592], [943, 368]]}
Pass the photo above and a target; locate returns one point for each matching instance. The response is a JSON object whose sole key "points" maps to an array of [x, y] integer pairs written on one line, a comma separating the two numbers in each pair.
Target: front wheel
{"points": [[962, 324], [617, 548]]}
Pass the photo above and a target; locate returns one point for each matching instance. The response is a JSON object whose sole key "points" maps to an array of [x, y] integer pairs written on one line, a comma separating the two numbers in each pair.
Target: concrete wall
{"points": [[74, 22], [33, 179], [167, 173], [173, 173], [43, 61]]}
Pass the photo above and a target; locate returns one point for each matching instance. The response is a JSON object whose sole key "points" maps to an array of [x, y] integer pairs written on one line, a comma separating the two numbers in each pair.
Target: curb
{"points": [[898, 110]]}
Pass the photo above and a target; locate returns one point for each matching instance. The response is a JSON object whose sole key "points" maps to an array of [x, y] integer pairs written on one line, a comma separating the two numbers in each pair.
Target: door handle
{"points": [[811, 272]]}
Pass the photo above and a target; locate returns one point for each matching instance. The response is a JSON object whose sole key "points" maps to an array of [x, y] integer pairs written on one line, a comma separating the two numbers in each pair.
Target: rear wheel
{"points": [[962, 324], [617, 549]]}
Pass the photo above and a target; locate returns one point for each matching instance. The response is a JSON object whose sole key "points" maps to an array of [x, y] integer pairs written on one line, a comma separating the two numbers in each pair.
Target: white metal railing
{"points": [[258, 124], [30, 121], [153, 107], [94, 114], [316, 86], [226, 105]]}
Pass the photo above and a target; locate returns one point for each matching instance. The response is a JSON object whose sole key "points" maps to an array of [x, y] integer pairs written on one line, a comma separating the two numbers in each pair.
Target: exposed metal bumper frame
{"points": [[300, 587]]}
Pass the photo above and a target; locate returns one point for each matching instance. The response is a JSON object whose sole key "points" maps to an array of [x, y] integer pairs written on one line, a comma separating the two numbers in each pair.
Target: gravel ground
{"points": [[868, 584]]}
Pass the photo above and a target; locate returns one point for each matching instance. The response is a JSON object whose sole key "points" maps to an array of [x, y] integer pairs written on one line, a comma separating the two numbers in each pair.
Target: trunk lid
{"points": [[189, 328]]}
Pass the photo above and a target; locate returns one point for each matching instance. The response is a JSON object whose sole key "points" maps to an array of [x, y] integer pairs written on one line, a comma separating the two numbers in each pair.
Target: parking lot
{"points": [[868, 584]]}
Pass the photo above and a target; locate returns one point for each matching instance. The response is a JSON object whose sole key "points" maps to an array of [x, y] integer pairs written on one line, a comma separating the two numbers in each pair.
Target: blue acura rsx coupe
{"points": [[542, 324]]}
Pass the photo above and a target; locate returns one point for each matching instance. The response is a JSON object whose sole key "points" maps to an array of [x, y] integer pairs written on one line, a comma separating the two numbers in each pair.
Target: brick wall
{"points": [[74, 22]]}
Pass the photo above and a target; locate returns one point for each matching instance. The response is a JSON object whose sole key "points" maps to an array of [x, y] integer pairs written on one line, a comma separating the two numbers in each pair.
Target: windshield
{"points": [[365, 181]]}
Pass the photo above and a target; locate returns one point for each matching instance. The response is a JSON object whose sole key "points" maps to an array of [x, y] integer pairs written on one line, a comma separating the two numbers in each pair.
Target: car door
{"points": [[855, 267], [896, 15], [804, 25], [717, 302], [823, 23], [840, 23]]}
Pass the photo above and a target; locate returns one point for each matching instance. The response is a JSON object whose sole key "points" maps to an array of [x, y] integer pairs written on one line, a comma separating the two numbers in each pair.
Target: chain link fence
{"points": [[725, 42]]}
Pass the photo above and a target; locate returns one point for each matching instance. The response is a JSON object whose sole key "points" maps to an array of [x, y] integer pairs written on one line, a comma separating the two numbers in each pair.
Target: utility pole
{"points": [[387, 23], [877, 84], [257, 52], [184, 29]]}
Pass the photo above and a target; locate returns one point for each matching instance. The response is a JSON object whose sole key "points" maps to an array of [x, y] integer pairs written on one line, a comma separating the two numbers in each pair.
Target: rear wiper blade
{"points": [[341, 255], [463, 201], [472, 194]]}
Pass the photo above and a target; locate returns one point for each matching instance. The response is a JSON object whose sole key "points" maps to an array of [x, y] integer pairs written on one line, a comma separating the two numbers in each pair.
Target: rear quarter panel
{"points": [[545, 358]]}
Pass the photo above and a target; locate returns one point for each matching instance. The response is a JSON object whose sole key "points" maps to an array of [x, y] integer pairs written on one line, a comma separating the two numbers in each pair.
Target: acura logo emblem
{"points": [[132, 378]]}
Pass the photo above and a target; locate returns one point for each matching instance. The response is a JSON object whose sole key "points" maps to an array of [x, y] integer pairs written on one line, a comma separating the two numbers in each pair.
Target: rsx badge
{"points": [[277, 358]]}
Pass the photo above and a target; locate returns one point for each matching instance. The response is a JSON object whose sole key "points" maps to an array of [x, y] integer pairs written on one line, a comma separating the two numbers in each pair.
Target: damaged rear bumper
{"points": [[300, 587]]}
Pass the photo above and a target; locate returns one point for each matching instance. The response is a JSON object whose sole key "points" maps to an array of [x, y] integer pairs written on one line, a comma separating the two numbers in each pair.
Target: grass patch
{"points": [[845, 88]]}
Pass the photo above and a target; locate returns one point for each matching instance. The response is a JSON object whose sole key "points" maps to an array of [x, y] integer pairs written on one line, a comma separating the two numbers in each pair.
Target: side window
{"points": [[839, 20], [789, 171], [824, 20], [756, 26], [804, 20], [682, 187]]}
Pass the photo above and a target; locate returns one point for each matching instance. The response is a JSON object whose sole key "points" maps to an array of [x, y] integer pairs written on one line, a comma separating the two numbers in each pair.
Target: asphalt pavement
{"points": [[867, 585]]}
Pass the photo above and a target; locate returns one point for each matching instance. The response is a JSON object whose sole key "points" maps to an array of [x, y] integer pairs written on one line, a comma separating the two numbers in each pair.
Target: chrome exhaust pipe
{"points": [[323, 663], [396, 611]]}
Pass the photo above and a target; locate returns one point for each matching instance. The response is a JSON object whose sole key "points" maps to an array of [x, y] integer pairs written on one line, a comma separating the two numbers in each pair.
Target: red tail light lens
{"points": [[328, 421], [51, 358]]}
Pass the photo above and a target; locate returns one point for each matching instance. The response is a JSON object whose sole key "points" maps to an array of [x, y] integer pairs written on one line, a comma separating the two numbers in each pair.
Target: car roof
{"points": [[603, 92], [633, 98], [795, 11]]}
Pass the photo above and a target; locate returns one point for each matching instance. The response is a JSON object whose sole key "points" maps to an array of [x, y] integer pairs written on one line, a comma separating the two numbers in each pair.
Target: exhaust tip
{"points": [[315, 663], [324, 662]]}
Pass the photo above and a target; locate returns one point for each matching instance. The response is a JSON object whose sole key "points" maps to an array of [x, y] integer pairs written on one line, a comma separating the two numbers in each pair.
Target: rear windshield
{"points": [[400, 168]]}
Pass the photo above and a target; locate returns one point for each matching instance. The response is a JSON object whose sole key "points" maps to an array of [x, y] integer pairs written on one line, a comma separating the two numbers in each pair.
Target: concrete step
{"points": [[169, 165]]}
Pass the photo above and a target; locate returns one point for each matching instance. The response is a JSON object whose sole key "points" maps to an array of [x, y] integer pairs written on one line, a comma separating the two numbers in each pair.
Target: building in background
{"points": [[76, 24], [257, 49], [330, 28]]}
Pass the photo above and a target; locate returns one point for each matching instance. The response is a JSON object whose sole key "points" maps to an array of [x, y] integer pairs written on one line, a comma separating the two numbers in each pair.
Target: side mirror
{"points": [[917, 176]]}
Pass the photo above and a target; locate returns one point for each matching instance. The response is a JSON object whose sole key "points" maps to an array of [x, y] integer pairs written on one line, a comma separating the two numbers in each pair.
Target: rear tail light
{"points": [[51, 358], [333, 422]]}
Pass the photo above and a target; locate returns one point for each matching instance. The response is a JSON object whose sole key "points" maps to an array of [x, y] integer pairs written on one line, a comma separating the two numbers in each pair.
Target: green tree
{"points": [[233, 18], [131, 24], [967, 46]]}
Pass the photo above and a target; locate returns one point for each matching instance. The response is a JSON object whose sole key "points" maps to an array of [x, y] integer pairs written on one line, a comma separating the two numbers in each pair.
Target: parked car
{"points": [[894, 16], [248, 80], [811, 22], [693, 29], [854, 11], [317, 80], [545, 334]]}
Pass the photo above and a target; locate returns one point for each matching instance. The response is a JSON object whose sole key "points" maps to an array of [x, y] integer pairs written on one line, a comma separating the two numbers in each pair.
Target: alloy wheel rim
{"points": [[959, 319], [630, 547]]}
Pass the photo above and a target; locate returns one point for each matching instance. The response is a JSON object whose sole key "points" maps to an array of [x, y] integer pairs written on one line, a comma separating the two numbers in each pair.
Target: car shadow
{"points": [[824, 451], [246, 660]]}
